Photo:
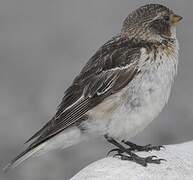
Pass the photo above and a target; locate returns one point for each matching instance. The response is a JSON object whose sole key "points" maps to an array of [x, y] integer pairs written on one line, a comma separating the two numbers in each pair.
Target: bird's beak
{"points": [[176, 18]]}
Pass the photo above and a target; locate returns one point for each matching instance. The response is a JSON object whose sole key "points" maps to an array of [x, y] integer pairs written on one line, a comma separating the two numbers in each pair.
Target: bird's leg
{"points": [[121, 150], [135, 147]]}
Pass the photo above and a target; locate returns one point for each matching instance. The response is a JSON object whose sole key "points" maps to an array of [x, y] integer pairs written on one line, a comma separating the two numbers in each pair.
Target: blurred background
{"points": [[43, 44]]}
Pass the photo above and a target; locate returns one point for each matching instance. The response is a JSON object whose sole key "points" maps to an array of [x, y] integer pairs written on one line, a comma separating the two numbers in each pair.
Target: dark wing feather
{"points": [[111, 68]]}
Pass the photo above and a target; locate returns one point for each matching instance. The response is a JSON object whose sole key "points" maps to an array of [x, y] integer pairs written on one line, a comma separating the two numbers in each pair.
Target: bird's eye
{"points": [[166, 18]]}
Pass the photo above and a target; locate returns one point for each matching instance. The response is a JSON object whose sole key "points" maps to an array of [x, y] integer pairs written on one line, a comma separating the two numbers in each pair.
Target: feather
{"points": [[112, 67]]}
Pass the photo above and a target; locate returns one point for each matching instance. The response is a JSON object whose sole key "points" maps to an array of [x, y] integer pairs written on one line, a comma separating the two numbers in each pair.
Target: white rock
{"points": [[179, 166]]}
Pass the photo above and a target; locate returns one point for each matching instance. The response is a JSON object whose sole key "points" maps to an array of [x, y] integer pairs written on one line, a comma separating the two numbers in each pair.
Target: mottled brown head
{"points": [[152, 22]]}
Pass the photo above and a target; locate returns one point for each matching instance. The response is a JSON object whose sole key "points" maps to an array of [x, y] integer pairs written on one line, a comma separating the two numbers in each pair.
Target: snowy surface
{"points": [[179, 165]]}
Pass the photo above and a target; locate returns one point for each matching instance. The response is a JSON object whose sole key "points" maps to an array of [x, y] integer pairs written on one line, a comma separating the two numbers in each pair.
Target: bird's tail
{"points": [[62, 140], [26, 154]]}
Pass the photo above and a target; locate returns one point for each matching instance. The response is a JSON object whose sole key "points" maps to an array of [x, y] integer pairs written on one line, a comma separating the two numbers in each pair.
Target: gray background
{"points": [[43, 44]]}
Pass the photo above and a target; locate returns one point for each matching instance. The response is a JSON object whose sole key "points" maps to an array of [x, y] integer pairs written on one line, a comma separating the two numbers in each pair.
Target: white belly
{"points": [[143, 101]]}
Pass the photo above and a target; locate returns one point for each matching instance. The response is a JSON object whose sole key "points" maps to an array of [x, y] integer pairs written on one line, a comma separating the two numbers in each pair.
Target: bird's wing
{"points": [[111, 68]]}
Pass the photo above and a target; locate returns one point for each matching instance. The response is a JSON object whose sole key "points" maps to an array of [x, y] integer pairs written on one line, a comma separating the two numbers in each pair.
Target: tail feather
{"points": [[65, 139], [41, 131], [26, 154]]}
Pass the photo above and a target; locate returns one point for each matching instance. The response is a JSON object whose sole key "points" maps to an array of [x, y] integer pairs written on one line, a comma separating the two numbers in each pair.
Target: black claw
{"points": [[150, 158], [140, 160], [153, 157], [154, 161], [127, 154], [119, 151], [112, 150]]}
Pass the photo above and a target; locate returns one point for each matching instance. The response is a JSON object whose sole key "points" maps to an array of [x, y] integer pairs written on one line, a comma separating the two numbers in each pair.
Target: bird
{"points": [[121, 89]]}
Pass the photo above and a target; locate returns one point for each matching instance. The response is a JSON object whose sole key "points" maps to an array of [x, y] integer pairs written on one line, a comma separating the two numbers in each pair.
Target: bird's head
{"points": [[152, 22]]}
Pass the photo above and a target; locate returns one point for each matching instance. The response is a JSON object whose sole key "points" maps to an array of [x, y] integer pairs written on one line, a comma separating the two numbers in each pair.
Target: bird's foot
{"points": [[149, 147], [141, 160], [126, 154]]}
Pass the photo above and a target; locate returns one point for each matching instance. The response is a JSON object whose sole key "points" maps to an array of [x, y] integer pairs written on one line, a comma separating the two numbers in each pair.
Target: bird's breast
{"points": [[145, 96], [129, 111]]}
